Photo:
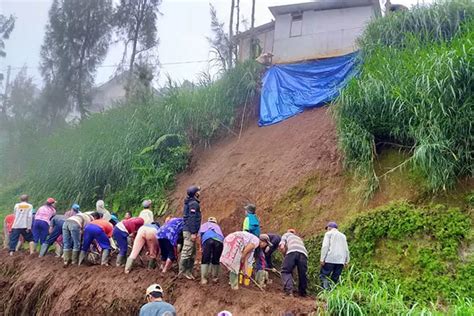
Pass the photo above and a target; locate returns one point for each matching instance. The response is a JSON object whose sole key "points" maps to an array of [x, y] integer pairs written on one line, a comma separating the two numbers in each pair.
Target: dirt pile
{"points": [[262, 166], [42, 285]]}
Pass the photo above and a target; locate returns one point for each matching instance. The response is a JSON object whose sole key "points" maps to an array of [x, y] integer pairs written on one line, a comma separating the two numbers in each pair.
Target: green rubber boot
{"points": [[120, 261], [82, 256], [215, 269], [128, 265], [43, 250], [75, 256], [234, 281], [204, 273], [67, 257], [105, 257], [152, 264]]}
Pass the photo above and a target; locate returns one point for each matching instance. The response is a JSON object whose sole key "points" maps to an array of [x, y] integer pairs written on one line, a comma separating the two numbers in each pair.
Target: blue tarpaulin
{"points": [[289, 89]]}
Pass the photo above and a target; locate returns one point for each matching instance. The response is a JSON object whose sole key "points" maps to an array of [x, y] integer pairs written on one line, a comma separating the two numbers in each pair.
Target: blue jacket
{"points": [[191, 215]]}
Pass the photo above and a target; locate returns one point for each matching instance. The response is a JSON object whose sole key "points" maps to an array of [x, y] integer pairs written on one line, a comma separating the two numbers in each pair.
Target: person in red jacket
{"points": [[99, 230], [123, 230], [7, 229]]}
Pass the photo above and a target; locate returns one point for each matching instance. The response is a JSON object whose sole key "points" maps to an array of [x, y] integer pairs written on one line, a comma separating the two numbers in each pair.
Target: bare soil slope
{"points": [[30, 285], [262, 166]]}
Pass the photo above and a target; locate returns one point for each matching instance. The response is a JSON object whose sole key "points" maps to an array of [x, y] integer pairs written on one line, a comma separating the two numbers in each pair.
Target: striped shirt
{"points": [[293, 243]]}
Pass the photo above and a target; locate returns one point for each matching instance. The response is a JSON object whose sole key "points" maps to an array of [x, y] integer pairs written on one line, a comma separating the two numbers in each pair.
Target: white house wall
{"points": [[265, 40], [325, 33]]}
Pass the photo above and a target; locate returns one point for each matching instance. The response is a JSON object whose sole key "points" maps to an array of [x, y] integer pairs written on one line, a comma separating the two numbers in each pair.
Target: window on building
{"points": [[296, 24]]}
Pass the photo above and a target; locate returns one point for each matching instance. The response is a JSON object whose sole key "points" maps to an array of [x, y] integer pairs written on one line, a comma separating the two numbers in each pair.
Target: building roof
{"points": [[322, 5], [256, 30]]}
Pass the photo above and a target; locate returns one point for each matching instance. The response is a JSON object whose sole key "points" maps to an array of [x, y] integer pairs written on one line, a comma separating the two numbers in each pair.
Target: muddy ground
{"points": [[261, 166], [41, 286]]}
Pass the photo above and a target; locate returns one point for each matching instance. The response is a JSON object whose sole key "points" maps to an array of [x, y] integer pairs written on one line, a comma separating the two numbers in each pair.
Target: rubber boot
{"points": [[215, 269], [82, 256], [120, 260], [43, 250], [128, 265], [182, 267], [234, 281], [105, 257], [204, 273], [75, 256], [152, 264], [67, 257], [260, 278]]}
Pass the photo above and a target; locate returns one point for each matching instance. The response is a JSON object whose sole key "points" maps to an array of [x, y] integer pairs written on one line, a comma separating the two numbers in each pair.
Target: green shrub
{"points": [[416, 251]]}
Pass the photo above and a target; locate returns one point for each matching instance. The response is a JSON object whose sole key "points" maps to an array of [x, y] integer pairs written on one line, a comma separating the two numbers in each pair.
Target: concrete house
{"points": [[311, 30]]}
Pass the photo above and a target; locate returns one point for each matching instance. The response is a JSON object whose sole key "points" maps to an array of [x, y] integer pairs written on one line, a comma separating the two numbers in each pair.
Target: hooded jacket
{"points": [[191, 215]]}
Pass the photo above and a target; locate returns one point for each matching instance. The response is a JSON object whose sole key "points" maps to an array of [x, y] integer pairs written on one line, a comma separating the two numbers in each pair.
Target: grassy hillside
{"points": [[415, 92], [133, 152]]}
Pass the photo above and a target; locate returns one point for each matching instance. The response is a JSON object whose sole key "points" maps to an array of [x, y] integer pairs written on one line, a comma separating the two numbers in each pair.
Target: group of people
{"points": [[241, 252]]}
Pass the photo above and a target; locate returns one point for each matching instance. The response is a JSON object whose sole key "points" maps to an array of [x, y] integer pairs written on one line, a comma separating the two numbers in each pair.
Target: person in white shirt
{"points": [[334, 255], [22, 224]]}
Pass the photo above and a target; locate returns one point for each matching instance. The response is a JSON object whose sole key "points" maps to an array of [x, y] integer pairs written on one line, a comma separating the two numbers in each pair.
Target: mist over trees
{"points": [[76, 42]]}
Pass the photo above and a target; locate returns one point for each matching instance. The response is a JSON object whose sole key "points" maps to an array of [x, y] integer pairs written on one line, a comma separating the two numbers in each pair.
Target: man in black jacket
{"points": [[192, 223]]}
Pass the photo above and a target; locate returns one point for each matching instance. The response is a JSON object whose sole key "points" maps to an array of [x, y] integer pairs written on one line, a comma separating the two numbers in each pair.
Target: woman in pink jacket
{"points": [[42, 221]]}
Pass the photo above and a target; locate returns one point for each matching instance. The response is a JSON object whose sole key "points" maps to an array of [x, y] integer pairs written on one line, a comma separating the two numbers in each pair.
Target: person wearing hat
{"points": [[251, 221], [296, 255], [56, 228], [212, 239], [192, 223], [146, 213], [75, 209], [42, 221], [168, 236], [22, 224], [334, 255], [155, 305], [269, 244]]}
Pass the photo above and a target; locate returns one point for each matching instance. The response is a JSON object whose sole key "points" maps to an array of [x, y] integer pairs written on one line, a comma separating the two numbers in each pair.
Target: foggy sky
{"points": [[182, 29]]}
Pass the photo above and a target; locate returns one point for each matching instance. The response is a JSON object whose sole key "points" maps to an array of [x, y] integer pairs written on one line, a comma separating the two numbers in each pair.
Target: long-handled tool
{"points": [[253, 280]]}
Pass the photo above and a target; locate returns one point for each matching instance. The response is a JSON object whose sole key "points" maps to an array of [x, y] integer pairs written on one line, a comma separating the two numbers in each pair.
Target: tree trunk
{"points": [[252, 38], [140, 13], [231, 35], [252, 19]]}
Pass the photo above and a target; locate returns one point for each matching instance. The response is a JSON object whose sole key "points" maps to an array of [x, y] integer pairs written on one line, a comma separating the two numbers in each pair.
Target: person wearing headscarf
{"points": [[147, 213], [100, 208]]}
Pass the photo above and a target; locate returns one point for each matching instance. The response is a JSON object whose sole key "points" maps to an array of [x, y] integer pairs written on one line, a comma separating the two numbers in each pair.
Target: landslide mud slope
{"points": [[262, 166], [33, 286]]}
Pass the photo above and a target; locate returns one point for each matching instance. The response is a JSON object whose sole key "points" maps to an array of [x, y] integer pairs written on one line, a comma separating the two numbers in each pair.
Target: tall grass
{"points": [[104, 156], [416, 90], [365, 293]]}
